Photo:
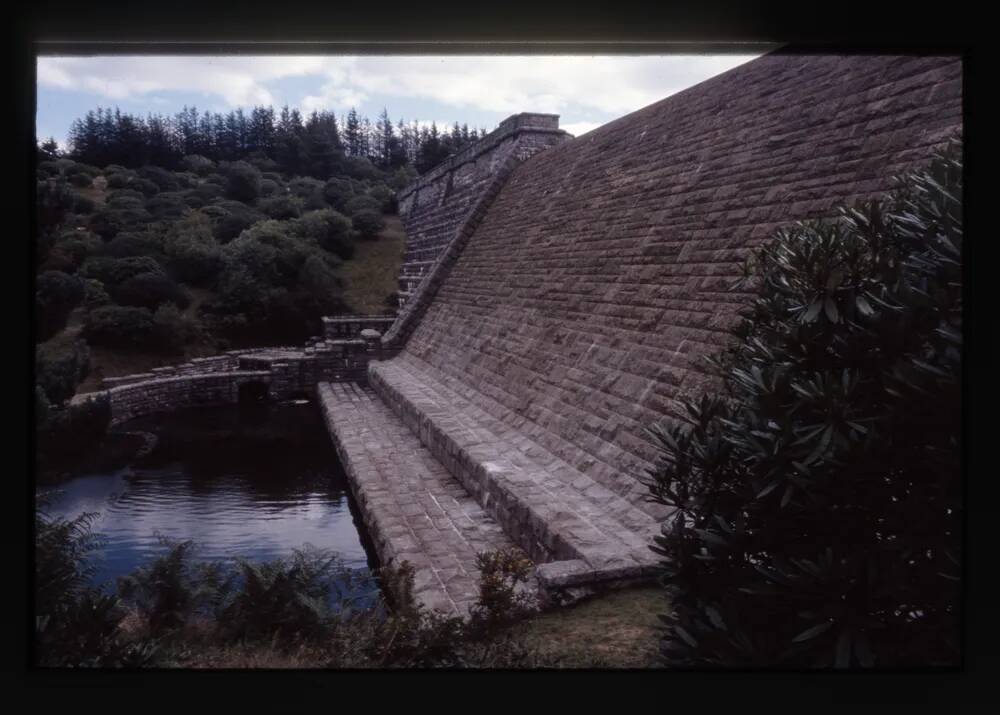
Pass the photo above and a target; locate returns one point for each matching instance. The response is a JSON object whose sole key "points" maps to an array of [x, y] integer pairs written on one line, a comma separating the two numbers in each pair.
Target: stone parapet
{"points": [[436, 206]]}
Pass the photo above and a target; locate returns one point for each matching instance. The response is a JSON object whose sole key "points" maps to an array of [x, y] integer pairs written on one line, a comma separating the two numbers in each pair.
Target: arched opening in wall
{"points": [[253, 392]]}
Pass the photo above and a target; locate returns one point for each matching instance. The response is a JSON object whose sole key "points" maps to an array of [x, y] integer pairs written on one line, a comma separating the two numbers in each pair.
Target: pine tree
{"points": [[352, 134]]}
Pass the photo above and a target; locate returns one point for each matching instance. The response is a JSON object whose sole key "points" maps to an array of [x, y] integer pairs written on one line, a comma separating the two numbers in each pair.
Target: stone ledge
{"points": [[553, 518]]}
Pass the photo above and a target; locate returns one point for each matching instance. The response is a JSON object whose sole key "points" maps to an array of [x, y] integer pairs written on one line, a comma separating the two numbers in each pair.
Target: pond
{"points": [[254, 481]]}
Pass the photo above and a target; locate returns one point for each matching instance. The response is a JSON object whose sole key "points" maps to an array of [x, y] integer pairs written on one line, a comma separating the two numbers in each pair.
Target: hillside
{"points": [[142, 268]]}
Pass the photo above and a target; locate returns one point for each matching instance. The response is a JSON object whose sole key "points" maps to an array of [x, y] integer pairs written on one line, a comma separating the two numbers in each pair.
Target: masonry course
{"points": [[560, 295]]}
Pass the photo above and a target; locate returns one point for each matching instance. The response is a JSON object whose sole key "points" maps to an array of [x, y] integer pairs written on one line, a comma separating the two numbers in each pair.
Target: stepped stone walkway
{"points": [[549, 508], [414, 508]]}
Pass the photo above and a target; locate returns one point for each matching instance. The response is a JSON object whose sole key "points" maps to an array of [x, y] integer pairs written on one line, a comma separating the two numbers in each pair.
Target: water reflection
{"points": [[255, 482]]}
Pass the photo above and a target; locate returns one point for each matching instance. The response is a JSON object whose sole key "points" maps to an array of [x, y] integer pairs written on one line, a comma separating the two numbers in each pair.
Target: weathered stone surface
{"points": [[582, 307], [558, 302], [414, 509], [454, 195]]}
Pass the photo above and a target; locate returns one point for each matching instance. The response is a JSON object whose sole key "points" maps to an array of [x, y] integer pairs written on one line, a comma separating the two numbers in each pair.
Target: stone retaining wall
{"points": [[287, 371], [590, 293]]}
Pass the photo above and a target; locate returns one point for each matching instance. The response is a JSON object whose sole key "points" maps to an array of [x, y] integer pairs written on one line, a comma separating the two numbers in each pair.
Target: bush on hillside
{"points": [[198, 164], [167, 205], [58, 370], [337, 192], [83, 205], [164, 180], [368, 223], [818, 498], [81, 181], [385, 197], [193, 254], [172, 330], [331, 230], [134, 243], [362, 203], [120, 327], [113, 271], [281, 207], [242, 181], [150, 290], [94, 294], [146, 187], [56, 294], [231, 218]]}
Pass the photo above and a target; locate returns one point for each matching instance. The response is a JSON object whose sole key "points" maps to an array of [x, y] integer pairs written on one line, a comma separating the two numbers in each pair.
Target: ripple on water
{"points": [[250, 488]]}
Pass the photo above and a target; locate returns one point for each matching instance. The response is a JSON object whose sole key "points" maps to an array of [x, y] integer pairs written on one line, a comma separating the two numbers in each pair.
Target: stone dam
{"points": [[558, 296]]}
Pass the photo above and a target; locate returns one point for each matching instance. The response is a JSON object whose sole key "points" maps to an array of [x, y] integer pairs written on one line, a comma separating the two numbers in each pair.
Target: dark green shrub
{"points": [[362, 203], [53, 202], [70, 249], [150, 290], [95, 295], [145, 186], [368, 223], [126, 198], [268, 188], [198, 164], [134, 243], [303, 186], [818, 498], [193, 255], [118, 215], [56, 294], [235, 222], [164, 180], [318, 289], [281, 207], [385, 197], [119, 326], [82, 205], [48, 168], [242, 181], [171, 329], [118, 181], [58, 370], [208, 192], [337, 192], [113, 271], [80, 180], [330, 229], [167, 205]]}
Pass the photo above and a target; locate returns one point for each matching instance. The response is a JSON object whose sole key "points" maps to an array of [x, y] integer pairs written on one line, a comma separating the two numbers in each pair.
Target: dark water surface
{"points": [[255, 481]]}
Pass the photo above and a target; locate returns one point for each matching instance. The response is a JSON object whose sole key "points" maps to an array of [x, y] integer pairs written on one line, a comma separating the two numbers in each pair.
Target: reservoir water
{"points": [[254, 481]]}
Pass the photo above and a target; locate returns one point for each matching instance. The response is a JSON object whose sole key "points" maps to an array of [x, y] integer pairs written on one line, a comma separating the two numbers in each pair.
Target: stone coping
{"points": [[508, 128]]}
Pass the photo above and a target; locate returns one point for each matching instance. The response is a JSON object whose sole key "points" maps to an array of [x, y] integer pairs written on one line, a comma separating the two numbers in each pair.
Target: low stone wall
{"points": [[342, 328], [171, 393], [286, 371]]}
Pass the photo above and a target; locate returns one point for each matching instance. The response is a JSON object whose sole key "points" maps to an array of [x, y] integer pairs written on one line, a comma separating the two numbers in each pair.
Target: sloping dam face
{"points": [[580, 307]]}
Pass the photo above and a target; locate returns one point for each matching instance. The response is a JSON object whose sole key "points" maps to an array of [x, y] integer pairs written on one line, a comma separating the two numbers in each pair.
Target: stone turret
{"points": [[435, 206]]}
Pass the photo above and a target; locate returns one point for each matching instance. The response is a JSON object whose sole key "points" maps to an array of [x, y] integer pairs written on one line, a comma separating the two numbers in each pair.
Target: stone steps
{"points": [[414, 509], [549, 508]]}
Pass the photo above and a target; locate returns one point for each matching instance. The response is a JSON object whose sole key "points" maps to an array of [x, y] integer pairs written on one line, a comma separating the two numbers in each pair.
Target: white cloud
{"points": [[578, 128], [576, 86]]}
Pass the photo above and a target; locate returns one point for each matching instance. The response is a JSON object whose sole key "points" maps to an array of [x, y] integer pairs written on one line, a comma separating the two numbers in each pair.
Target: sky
{"points": [[481, 90]]}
